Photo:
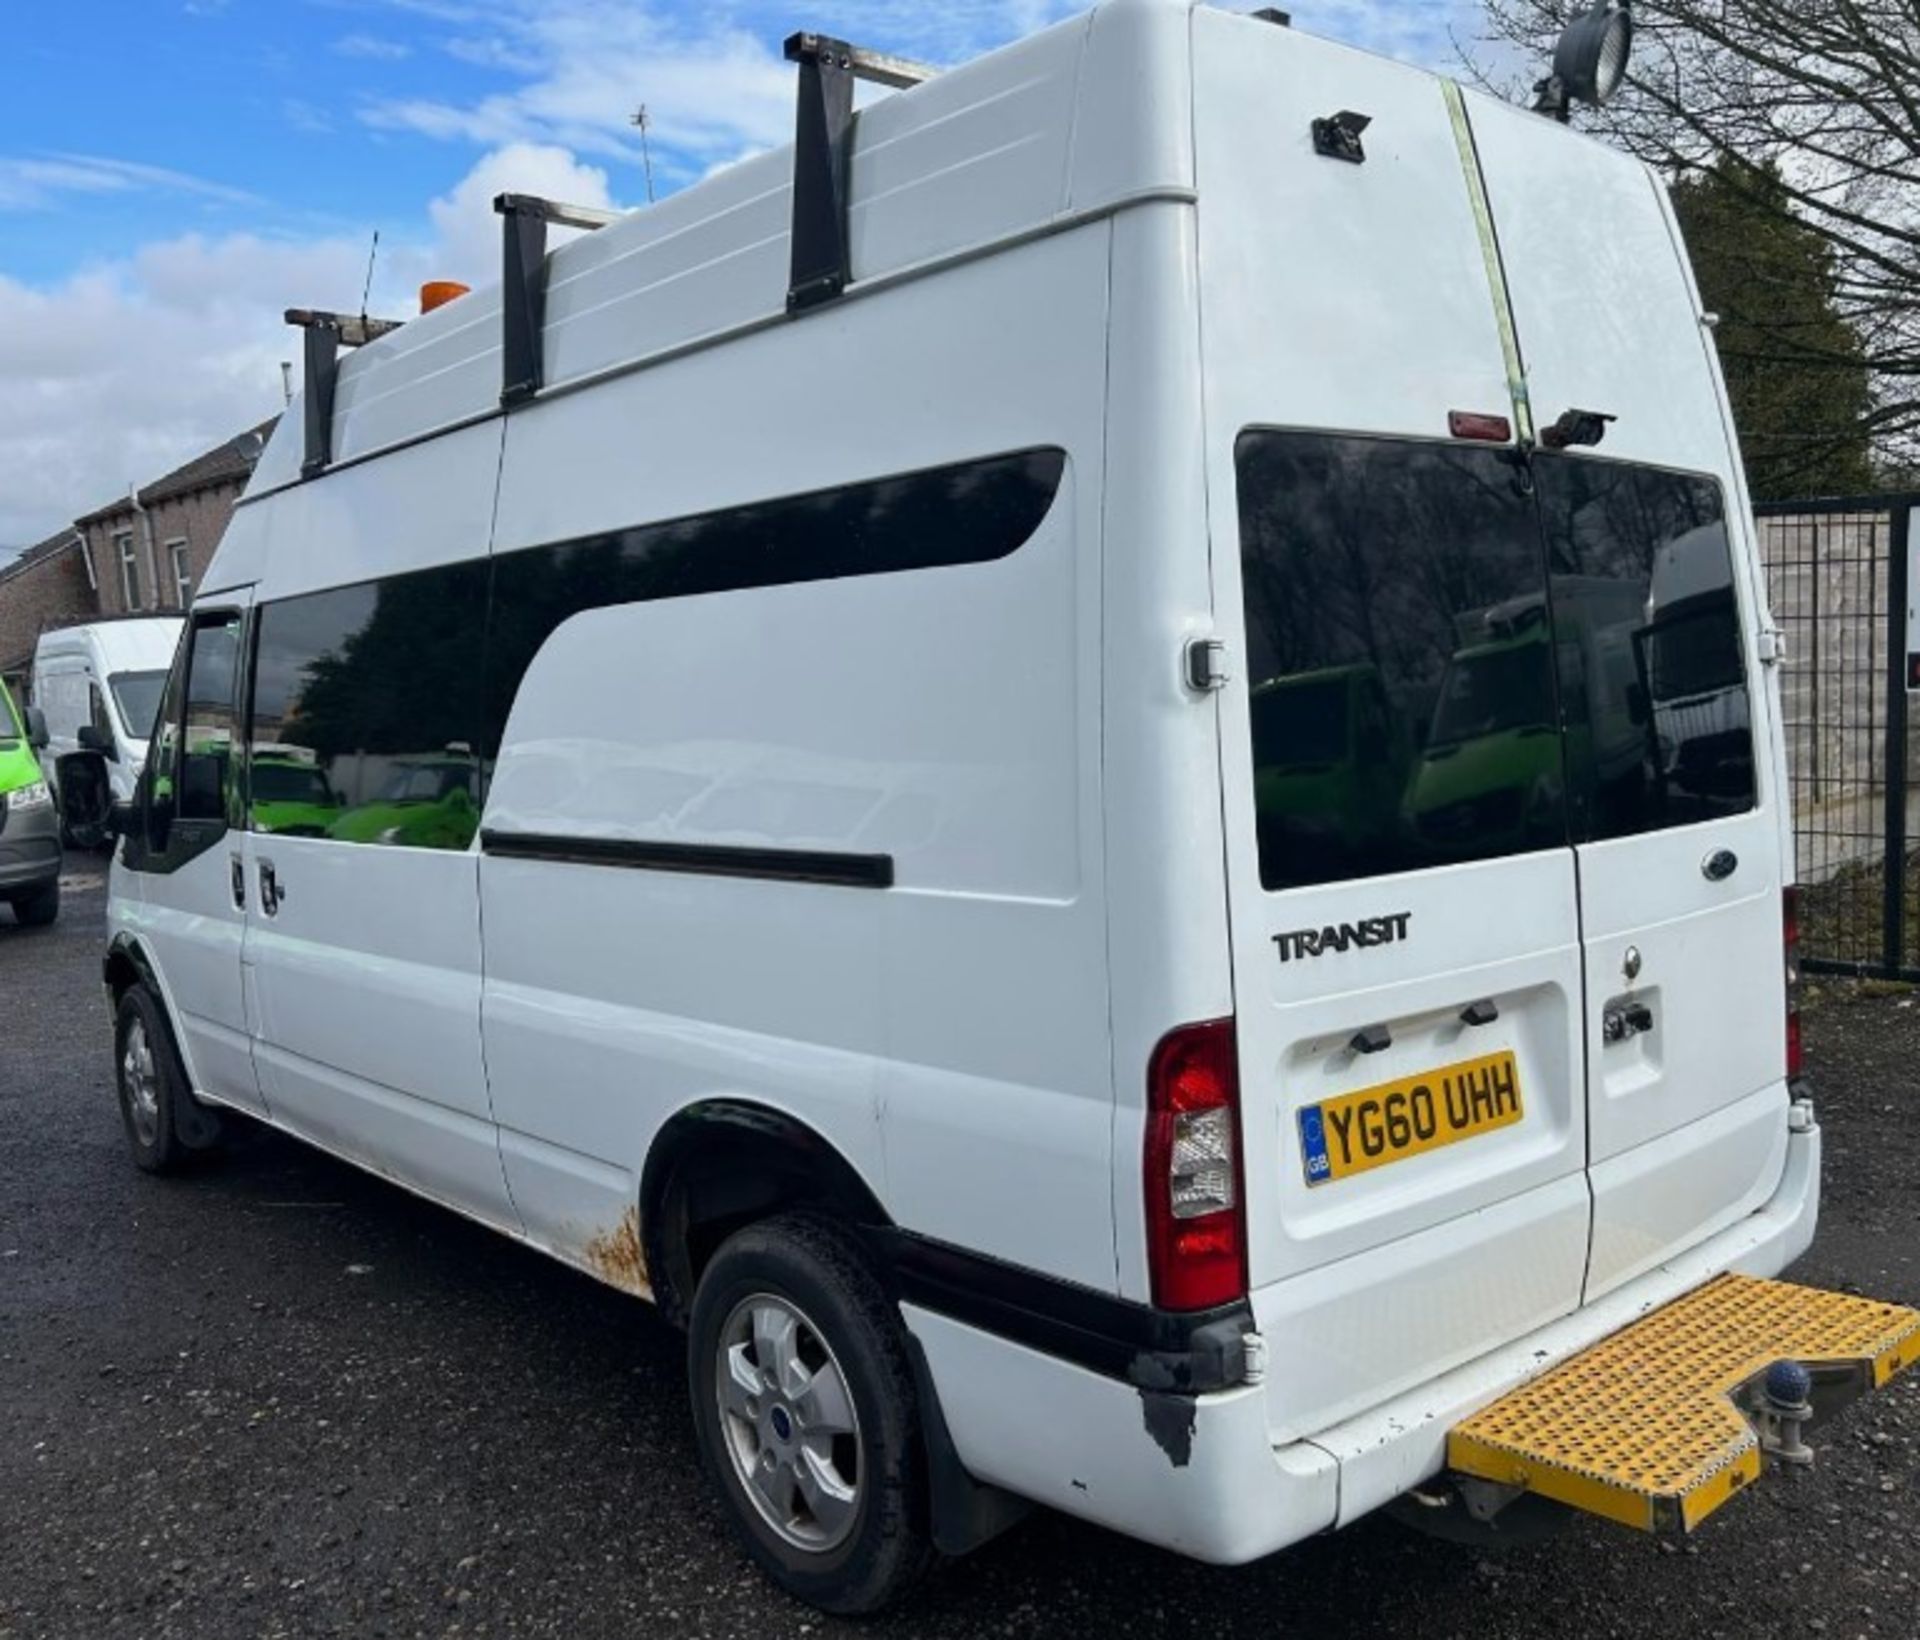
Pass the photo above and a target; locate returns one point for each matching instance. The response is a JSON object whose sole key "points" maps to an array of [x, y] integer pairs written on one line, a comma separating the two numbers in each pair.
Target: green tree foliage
{"points": [[1796, 370]]}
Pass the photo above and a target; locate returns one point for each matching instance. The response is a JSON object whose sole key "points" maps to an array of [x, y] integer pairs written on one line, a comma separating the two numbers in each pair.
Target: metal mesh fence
{"points": [[1837, 581]]}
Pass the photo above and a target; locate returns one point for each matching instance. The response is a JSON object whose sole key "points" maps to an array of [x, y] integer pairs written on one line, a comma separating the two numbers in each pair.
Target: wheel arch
{"points": [[722, 1163], [127, 964]]}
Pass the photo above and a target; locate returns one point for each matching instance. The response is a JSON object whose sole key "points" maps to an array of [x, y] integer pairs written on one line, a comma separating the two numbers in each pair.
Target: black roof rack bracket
{"points": [[523, 286], [326, 334], [822, 259], [323, 371]]}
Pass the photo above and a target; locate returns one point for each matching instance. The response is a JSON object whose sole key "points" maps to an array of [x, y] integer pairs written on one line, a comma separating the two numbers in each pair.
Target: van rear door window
{"points": [[1401, 657], [1659, 724]]}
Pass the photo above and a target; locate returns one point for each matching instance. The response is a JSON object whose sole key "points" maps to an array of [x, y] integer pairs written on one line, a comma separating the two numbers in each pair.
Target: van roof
{"points": [[143, 643], [1067, 124]]}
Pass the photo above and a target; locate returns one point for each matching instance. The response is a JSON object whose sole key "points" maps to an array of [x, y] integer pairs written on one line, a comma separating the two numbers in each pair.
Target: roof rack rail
{"points": [[822, 152], [523, 288], [327, 333]]}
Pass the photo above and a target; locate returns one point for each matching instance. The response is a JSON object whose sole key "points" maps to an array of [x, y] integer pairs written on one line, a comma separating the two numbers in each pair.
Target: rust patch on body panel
{"points": [[617, 1257]]}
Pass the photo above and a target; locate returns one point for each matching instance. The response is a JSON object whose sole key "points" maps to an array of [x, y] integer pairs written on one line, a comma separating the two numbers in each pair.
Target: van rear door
{"points": [[1676, 816], [1406, 950]]}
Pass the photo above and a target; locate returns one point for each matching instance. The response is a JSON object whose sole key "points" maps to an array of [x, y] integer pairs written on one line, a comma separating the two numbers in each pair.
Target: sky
{"points": [[174, 174]]}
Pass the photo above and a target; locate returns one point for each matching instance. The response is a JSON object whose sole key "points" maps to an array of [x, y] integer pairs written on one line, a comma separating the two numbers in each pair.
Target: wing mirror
{"points": [[37, 735], [87, 807]]}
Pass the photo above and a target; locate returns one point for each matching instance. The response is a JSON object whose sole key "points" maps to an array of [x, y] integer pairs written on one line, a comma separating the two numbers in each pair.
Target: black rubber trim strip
{"points": [[696, 859], [1135, 1343]]}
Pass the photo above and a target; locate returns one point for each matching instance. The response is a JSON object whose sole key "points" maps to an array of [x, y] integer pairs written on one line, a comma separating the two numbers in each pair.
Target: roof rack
{"points": [[523, 288], [327, 333], [822, 152], [820, 271]]}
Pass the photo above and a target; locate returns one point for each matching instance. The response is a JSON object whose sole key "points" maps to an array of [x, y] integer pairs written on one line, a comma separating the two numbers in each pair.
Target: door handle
{"points": [[1624, 1021], [239, 881], [1720, 865], [272, 895]]}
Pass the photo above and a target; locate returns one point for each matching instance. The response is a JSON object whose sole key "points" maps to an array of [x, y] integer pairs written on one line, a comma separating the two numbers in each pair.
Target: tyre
{"points": [[39, 908], [803, 1403], [165, 1124]]}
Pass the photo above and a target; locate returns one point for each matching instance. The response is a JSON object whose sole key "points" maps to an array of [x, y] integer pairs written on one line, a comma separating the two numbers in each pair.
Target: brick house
{"points": [[47, 585], [150, 549]]}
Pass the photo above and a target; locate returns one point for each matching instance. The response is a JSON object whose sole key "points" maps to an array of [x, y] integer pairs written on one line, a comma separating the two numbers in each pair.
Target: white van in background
{"points": [[99, 686], [774, 757]]}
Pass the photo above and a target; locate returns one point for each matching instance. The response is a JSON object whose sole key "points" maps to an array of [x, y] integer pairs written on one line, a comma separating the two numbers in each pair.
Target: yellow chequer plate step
{"points": [[1644, 1429]]}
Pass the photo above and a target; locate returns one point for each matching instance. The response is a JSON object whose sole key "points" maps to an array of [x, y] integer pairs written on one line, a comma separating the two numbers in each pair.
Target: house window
{"points": [[129, 569], [182, 574]]}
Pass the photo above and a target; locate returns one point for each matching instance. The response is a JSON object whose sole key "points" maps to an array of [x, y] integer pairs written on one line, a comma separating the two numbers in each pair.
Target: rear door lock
{"points": [[1623, 1020]]}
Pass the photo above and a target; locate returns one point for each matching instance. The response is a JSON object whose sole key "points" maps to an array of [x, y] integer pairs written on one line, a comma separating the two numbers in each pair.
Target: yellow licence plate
{"points": [[1361, 1131]]}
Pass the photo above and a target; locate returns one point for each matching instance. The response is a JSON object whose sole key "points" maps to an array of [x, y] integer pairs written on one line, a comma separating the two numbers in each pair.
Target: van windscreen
{"points": [[1454, 656], [137, 694]]}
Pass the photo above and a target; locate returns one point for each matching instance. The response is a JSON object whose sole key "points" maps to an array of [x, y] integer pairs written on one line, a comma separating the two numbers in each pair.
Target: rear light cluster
{"points": [[1196, 1219], [1791, 923]]}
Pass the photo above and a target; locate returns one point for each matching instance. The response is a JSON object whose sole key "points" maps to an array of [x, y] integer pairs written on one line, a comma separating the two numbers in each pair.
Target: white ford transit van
{"points": [[1025, 762], [99, 685]]}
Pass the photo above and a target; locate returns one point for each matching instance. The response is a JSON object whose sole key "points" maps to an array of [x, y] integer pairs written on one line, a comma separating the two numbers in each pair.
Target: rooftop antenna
{"points": [[644, 122], [366, 290]]}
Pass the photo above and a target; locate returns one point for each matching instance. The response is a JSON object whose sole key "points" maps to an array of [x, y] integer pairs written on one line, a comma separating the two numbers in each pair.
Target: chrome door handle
{"points": [[1720, 865]]}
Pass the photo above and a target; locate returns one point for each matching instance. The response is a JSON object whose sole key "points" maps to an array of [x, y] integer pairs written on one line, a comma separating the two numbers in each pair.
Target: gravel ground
{"points": [[279, 1398]]}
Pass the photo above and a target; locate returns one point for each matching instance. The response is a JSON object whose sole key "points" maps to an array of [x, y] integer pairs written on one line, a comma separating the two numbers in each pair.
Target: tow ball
{"points": [[1780, 1411]]}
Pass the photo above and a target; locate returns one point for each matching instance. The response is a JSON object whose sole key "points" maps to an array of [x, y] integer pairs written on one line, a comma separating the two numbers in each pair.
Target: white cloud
{"points": [[466, 230], [35, 181], [372, 47], [125, 369]]}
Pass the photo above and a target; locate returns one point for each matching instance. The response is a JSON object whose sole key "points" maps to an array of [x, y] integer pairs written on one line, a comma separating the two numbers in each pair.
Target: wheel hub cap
{"points": [[788, 1422], [139, 1083]]}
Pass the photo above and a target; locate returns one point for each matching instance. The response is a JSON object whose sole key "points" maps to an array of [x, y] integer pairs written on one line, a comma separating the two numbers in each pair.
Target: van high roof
{"points": [[1069, 124]]}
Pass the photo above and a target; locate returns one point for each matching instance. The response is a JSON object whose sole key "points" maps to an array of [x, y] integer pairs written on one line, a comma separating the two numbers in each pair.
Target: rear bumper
{"points": [[29, 850], [1200, 1475]]}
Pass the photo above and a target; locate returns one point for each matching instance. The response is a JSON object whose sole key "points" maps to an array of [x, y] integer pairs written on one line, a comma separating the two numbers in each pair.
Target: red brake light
{"points": [[1472, 424], [1791, 940], [1196, 1220]]}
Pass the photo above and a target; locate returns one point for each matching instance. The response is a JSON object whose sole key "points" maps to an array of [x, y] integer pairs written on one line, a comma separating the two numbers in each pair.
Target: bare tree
{"points": [[1821, 101]]}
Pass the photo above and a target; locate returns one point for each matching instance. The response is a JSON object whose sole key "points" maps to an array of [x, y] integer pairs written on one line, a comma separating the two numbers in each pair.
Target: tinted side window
{"points": [[366, 720], [1659, 725], [971, 513], [370, 721], [206, 767], [1401, 657]]}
